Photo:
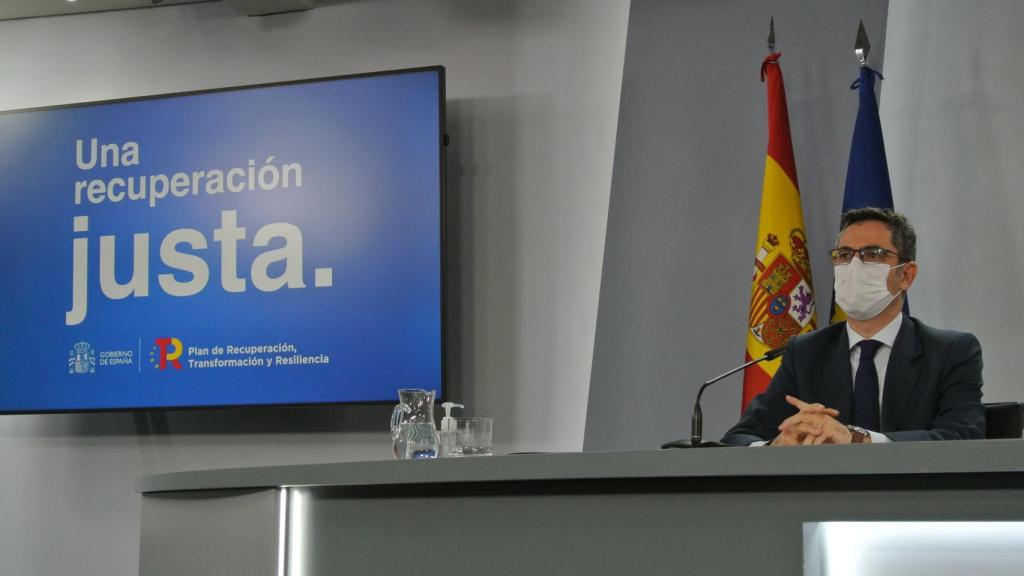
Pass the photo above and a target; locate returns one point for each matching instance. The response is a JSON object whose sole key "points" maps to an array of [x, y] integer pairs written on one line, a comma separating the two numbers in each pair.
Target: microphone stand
{"points": [[696, 439]]}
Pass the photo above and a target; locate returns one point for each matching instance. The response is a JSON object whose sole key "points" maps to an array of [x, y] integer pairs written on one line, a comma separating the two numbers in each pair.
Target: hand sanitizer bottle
{"points": [[448, 430]]}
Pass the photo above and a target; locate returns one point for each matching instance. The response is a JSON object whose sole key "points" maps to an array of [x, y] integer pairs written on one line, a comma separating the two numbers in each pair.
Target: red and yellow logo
{"points": [[167, 351]]}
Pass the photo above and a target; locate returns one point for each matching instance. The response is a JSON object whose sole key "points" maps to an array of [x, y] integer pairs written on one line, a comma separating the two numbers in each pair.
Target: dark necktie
{"points": [[865, 388]]}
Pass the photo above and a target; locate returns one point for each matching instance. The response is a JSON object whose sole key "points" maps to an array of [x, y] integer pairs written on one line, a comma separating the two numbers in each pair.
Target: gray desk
{"points": [[705, 511]]}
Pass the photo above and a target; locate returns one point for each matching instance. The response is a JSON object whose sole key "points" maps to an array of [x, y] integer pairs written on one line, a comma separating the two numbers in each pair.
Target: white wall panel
{"points": [[952, 109]]}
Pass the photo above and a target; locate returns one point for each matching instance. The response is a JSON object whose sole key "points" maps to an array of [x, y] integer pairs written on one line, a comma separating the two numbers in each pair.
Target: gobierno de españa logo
{"points": [[166, 352], [82, 359]]}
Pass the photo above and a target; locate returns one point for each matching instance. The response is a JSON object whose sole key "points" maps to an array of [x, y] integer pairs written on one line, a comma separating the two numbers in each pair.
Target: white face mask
{"points": [[862, 290]]}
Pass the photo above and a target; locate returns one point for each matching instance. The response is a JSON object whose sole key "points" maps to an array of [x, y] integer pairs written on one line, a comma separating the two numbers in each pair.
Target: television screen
{"points": [[264, 245]]}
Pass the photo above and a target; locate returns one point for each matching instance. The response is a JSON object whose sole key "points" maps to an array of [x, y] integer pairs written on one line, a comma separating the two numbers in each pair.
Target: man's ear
{"points": [[908, 276]]}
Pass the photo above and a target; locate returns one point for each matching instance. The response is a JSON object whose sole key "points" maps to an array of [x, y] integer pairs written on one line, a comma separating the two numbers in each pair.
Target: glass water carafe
{"points": [[412, 425]]}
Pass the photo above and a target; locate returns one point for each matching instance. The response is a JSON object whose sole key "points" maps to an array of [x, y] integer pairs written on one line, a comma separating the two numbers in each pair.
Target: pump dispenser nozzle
{"points": [[448, 423]]}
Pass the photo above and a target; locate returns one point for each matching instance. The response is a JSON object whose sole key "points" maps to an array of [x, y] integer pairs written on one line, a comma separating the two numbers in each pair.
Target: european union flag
{"points": [[867, 175]]}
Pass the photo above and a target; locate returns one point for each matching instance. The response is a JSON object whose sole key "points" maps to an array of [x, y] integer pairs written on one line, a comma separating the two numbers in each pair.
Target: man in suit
{"points": [[881, 376]]}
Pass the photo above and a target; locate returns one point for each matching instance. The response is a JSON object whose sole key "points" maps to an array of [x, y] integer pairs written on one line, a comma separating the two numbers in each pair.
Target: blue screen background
{"points": [[368, 209]]}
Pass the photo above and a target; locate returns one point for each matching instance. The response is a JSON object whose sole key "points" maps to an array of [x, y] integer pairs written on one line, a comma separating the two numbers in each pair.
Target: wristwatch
{"points": [[860, 435]]}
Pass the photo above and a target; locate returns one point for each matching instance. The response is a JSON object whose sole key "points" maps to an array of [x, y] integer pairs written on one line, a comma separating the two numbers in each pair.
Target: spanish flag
{"points": [[782, 294]]}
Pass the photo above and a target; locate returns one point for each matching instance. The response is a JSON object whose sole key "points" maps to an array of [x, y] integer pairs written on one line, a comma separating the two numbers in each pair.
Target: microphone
{"points": [[697, 424]]}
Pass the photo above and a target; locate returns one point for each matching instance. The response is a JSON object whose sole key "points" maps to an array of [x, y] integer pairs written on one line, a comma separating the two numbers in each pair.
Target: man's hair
{"points": [[903, 236]]}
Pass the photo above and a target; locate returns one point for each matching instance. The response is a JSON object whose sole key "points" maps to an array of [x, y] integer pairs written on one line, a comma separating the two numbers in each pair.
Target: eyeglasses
{"points": [[868, 255]]}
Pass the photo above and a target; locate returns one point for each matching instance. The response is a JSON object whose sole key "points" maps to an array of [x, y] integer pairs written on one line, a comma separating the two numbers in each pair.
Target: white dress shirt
{"points": [[887, 336]]}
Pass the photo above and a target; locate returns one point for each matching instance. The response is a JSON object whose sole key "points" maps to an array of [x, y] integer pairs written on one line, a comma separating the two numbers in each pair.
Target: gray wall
{"points": [[953, 112], [686, 191], [533, 90]]}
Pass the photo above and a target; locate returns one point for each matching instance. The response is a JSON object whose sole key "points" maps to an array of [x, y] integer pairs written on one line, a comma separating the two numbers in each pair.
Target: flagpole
{"points": [[861, 46]]}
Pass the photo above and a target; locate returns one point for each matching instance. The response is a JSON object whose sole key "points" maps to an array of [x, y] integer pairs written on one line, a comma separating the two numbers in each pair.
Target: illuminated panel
{"points": [[913, 548]]}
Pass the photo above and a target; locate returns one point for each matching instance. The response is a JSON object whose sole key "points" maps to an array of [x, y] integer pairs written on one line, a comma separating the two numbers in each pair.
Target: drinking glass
{"points": [[473, 436]]}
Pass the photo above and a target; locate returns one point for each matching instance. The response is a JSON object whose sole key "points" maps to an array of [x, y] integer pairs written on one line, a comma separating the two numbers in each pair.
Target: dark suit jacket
{"points": [[932, 385]]}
